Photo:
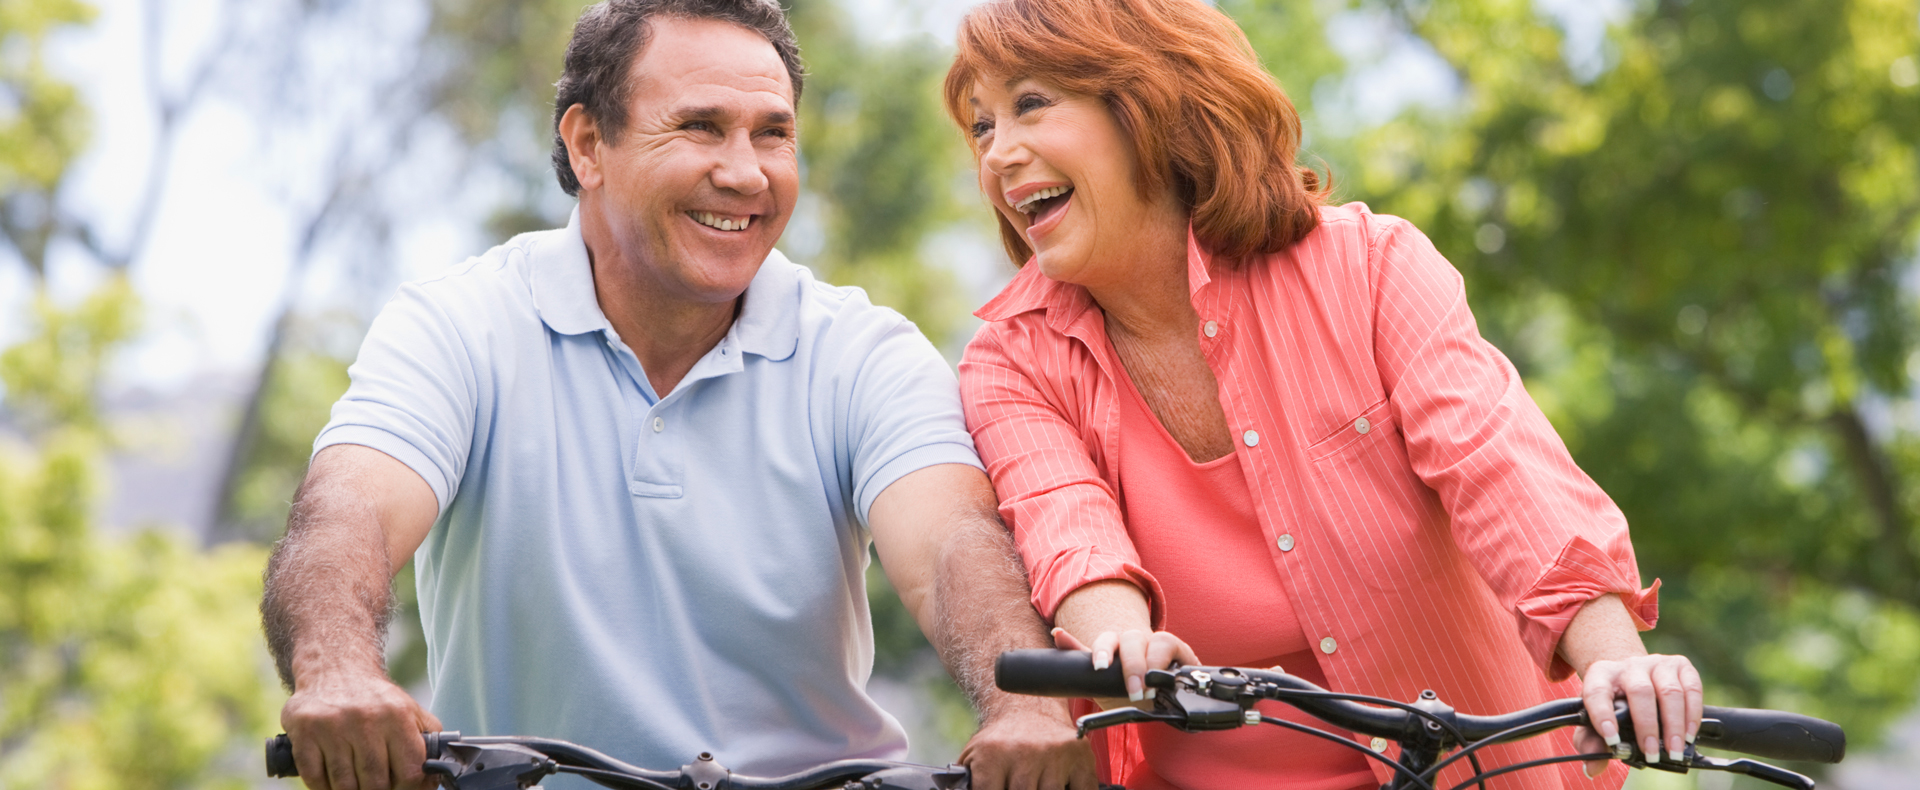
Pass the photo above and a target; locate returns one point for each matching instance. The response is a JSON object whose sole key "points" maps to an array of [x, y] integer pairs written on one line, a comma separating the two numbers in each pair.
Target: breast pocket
{"points": [[1388, 522]]}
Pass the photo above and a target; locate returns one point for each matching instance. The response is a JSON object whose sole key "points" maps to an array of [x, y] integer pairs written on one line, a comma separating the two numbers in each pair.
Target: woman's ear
{"points": [[582, 136]]}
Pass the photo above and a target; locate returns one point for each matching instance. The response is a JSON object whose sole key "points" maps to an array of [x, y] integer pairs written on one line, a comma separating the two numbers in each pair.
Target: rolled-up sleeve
{"points": [[1537, 528], [412, 394], [1065, 519]]}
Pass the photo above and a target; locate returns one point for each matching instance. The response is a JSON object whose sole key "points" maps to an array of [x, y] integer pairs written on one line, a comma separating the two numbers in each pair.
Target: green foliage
{"points": [[299, 399], [42, 123], [126, 661], [1697, 258]]}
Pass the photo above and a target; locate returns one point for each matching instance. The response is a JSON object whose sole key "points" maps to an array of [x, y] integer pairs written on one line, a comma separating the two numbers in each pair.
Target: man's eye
{"points": [[776, 132], [981, 128], [698, 126]]}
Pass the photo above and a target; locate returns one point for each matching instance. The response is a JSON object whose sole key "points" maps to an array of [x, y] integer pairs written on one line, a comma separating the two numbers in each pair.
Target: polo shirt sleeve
{"points": [[903, 414], [412, 393]]}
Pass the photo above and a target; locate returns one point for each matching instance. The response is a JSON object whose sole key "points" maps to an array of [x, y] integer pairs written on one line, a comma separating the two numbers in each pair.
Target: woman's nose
{"points": [[1002, 154]]}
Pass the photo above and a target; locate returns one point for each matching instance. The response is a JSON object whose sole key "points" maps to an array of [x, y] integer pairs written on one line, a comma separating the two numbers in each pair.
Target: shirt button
{"points": [[1212, 329], [1286, 543], [1378, 745], [1327, 645], [659, 425], [1251, 438], [1362, 426]]}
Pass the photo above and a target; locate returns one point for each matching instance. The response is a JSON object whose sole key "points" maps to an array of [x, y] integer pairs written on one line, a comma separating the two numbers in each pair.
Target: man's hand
{"points": [[1029, 746], [357, 518], [942, 544], [357, 732]]}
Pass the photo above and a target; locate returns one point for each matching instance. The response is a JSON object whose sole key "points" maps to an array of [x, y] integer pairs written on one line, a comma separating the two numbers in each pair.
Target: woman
{"points": [[1227, 420]]}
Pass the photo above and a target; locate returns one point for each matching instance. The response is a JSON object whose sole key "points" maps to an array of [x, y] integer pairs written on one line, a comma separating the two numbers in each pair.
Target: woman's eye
{"points": [[1029, 102], [981, 128]]}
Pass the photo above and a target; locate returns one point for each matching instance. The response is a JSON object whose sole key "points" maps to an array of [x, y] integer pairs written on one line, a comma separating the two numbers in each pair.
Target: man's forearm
{"points": [[982, 608], [329, 591]]}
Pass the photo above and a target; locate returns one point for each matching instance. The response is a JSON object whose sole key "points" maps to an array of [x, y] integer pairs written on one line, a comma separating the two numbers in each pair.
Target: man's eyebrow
{"points": [[717, 113]]}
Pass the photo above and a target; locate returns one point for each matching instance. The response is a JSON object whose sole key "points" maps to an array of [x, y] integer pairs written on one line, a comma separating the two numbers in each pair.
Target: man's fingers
{"points": [[312, 763], [371, 765], [340, 768], [406, 752]]}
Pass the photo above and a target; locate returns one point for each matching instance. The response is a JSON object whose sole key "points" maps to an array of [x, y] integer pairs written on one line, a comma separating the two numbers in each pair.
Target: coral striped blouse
{"points": [[1429, 526]]}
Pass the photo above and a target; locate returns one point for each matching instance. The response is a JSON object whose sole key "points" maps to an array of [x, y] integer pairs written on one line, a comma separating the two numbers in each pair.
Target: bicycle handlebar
{"points": [[1765, 733]]}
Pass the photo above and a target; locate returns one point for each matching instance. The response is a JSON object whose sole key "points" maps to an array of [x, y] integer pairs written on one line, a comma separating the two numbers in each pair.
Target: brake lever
{"points": [[1757, 770], [1117, 716]]}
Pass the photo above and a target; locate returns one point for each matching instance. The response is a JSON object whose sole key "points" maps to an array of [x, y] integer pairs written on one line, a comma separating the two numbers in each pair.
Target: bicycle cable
{"points": [[1458, 736], [1531, 764], [1348, 742]]}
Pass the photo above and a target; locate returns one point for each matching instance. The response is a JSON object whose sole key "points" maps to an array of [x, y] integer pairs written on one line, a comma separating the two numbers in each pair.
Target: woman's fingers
{"points": [[1673, 708], [1586, 742], [1103, 646], [1597, 692], [1696, 698], [1133, 663], [1065, 641]]}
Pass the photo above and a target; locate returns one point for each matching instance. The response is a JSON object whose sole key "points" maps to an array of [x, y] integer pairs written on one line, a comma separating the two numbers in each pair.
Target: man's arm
{"points": [[329, 591], [944, 549]]}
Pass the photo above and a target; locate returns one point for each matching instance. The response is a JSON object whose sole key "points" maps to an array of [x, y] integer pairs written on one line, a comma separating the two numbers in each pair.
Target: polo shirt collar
{"points": [[563, 281], [1063, 302], [563, 293]]}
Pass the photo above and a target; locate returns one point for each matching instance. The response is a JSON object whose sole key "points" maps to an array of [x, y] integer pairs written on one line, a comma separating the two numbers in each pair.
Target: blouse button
{"points": [[1362, 426], [1212, 329], [1252, 438], [1327, 645], [1286, 542], [1378, 745]]}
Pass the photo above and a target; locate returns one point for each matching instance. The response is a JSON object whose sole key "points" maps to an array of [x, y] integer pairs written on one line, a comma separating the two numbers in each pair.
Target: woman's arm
{"points": [[1663, 692], [1110, 618]]}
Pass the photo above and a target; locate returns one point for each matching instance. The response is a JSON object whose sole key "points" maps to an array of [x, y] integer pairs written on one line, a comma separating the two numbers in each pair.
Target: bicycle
{"points": [[1201, 698], [1193, 699]]}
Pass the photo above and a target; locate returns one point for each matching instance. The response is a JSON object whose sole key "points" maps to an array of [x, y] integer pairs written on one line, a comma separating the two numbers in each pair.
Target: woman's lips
{"points": [[1048, 216]]}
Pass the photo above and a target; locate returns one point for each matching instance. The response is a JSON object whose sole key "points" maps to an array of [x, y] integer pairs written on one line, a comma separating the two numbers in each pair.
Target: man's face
{"points": [[704, 177]]}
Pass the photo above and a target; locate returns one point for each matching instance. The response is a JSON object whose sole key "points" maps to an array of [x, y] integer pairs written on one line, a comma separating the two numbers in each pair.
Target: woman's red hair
{"points": [[1181, 79]]}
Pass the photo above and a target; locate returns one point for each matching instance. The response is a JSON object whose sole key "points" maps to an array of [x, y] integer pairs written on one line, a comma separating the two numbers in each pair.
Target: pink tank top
{"points": [[1195, 528]]}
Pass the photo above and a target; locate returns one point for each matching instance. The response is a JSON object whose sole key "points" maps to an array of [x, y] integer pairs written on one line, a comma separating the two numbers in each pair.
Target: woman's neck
{"points": [[1151, 298]]}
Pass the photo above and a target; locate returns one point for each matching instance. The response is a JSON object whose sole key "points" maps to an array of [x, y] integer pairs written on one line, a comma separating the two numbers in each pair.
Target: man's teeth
{"points": [[709, 220], [1027, 206]]}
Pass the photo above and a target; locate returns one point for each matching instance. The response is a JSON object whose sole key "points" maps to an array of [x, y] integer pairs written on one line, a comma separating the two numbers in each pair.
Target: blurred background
{"points": [[1693, 225]]}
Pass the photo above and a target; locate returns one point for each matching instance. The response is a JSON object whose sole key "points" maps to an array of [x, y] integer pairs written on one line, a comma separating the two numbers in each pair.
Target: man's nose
{"points": [[736, 167]]}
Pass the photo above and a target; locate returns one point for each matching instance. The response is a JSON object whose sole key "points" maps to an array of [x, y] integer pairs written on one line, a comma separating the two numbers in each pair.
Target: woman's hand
{"points": [[1663, 695], [1138, 651]]}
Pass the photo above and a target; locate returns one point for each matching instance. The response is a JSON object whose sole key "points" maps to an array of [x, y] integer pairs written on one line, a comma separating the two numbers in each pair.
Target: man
{"points": [[638, 460]]}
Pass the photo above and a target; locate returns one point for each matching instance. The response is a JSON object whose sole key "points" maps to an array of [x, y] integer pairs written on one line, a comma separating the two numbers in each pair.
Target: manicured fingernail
{"points": [[1133, 690], [1652, 749], [1150, 693], [1676, 750], [1610, 732], [1690, 736], [1594, 770], [1101, 660]]}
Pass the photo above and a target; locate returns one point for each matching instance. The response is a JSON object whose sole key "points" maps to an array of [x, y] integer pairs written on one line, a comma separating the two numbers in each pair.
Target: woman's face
{"points": [[1058, 166]]}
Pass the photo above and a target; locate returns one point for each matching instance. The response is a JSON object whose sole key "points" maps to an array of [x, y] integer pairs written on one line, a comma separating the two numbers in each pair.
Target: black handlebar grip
{"points": [[280, 757], [1775, 734], [1057, 673]]}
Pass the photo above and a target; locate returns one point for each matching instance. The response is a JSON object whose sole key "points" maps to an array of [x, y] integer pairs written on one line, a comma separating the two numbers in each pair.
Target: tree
{"points": [[1701, 259], [127, 661]]}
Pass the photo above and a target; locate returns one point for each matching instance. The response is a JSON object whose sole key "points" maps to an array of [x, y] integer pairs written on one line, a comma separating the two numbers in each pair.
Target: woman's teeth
{"points": [[711, 221], [1031, 203]]}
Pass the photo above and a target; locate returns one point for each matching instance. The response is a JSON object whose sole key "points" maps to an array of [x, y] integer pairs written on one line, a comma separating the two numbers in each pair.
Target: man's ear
{"points": [[582, 136]]}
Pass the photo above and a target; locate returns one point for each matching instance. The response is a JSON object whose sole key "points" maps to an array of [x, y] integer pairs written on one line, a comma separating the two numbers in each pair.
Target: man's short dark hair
{"points": [[609, 38]]}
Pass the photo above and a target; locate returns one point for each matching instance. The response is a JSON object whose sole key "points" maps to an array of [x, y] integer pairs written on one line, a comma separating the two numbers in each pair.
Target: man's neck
{"points": [[668, 336]]}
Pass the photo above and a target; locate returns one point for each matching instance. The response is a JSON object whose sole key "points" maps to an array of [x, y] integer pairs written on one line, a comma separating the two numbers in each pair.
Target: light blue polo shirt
{"points": [[650, 577]]}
